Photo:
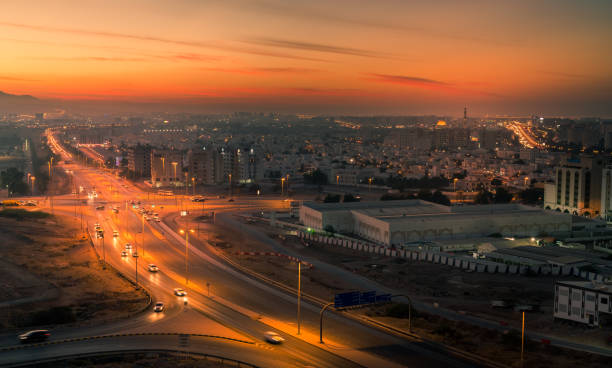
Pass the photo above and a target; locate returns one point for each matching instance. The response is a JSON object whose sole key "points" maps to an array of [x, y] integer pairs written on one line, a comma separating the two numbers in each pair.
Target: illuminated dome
{"points": [[441, 123]]}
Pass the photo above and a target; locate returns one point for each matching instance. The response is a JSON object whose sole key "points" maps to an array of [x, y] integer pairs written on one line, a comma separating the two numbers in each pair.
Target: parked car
{"points": [[273, 338], [100, 207], [180, 292], [34, 336], [159, 306]]}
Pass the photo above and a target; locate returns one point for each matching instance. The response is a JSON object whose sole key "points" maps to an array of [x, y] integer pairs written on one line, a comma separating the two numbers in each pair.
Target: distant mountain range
{"points": [[10, 103], [7, 96]]}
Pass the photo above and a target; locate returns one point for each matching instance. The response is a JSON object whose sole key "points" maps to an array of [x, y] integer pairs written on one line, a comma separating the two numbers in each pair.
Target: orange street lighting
{"points": [[337, 180], [174, 164], [455, 180], [282, 186], [33, 179], [186, 233]]}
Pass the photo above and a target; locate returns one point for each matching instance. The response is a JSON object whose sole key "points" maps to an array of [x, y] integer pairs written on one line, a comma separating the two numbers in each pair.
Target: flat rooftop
{"points": [[595, 286]]}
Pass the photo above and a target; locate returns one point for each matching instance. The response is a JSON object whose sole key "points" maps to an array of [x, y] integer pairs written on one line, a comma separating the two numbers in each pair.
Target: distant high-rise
{"points": [[577, 188]]}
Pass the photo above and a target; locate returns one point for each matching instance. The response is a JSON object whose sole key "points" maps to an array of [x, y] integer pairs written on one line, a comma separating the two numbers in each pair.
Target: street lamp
{"points": [[337, 180], [186, 232], [369, 184], [526, 180], [33, 179], [230, 185], [174, 164], [193, 184], [282, 187], [455, 180]]}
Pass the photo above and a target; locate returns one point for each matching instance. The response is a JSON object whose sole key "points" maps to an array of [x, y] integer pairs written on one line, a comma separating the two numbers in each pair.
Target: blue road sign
{"points": [[367, 297], [383, 298], [346, 299]]}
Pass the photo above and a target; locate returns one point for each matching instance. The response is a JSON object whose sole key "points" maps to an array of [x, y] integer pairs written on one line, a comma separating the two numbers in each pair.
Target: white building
{"points": [[583, 301], [401, 222]]}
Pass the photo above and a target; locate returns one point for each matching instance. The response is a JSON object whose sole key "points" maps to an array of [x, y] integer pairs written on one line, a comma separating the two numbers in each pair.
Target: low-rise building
{"points": [[402, 222], [584, 301]]}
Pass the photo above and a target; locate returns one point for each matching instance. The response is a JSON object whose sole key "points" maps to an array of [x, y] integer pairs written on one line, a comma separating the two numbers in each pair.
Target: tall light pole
{"points": [[163, 165], [186, 232], [230, 185], [299, 320], [455, 184], [282, 187], [174, 164], [50, 182], [369, 184], [193, 184], [337, 180], [523, 340], [33, 179], [143, 236]]}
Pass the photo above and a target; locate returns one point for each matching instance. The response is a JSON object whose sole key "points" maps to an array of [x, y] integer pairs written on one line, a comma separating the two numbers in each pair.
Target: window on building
{"points": [[563, 292], [575, 311], [590, 298], [603, 300], [587, 189], [562, 308], [576, 181]]}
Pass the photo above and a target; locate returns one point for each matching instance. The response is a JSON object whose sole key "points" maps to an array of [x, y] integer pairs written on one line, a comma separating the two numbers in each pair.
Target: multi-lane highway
{"points": [[238, 306]]}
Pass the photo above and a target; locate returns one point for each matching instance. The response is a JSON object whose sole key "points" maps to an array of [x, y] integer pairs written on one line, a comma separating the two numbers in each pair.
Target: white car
{"points": [[124, 253], [273, 338], [128, 246], [159, 306], [153, 268], [115, 233], [180, 292], [135, 254]]}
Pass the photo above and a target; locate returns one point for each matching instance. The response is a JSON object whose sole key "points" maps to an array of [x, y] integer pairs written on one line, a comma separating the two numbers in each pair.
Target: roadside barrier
{"points": [[179, 353], [77, 339]]}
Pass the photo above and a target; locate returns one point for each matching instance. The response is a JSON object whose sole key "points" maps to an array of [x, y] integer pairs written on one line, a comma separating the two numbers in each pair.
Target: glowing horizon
{"points": [[389, 56]]}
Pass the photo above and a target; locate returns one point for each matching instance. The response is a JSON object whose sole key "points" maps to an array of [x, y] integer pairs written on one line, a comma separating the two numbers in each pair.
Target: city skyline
{"points": [[544, 57]]}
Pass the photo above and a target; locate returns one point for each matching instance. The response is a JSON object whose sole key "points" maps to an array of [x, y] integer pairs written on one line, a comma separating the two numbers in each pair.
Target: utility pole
{"points": [[299, 295], [523, 340], [143, 236]]}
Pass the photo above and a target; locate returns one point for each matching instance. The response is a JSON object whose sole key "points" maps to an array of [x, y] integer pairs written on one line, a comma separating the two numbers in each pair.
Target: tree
{"points": [[438, 197], [502, 195], [316, 177], [329, 229], [531, 196], [350, 198], [12, 179], [496, 182], [483, 197], [332, 198]]}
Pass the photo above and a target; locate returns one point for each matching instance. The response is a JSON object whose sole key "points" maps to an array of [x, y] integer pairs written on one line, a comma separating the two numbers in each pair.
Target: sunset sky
{"points": [[363, 57]]}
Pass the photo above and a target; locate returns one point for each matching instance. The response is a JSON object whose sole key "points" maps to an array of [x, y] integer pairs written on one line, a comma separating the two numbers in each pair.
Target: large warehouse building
{"points": [[401, 222]]}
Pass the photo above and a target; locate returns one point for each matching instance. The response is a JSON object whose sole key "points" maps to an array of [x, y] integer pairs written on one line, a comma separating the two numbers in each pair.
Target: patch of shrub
{"points": [[19, 214], [55, 315]]}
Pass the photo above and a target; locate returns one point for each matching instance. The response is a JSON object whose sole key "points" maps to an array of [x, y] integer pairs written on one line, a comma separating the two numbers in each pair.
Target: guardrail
{"points": [[77, 339], [121, 353]]}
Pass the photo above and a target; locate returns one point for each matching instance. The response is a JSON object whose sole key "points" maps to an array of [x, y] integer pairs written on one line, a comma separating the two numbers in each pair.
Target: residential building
{"points": [[577, 187], [139, 160], [166, 167]]}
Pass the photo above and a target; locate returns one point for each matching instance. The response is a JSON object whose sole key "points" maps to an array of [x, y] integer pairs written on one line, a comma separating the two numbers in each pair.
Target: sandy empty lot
{"points": [[50, 275]]}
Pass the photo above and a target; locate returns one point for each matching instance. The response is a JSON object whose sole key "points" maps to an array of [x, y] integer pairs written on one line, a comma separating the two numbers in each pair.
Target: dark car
{"points": [[34, 336]]}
